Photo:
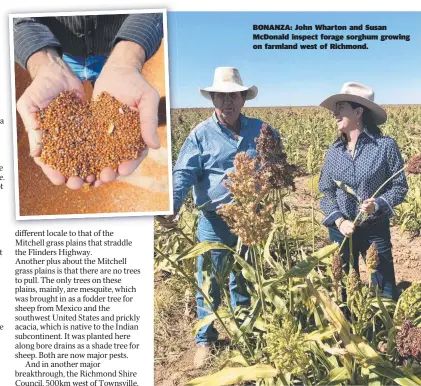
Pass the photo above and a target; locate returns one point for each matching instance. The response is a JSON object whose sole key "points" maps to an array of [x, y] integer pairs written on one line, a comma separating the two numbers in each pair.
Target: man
{"points": [[205, 159], [61, 52]]}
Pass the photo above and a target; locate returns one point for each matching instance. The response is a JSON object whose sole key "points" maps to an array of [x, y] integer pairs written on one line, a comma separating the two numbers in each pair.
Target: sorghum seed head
{"points": [[372, 258], [273, 161], [410, 303], [353, 284], [286, 346], [414, 165], [336, 268], [408, 340]]}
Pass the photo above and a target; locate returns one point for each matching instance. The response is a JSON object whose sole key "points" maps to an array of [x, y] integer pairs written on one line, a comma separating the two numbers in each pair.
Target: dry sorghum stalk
{"points": [[414, 165], [273, 160], [80, 139], [408, 340], [372, 258], [243, 215], [410, 302], [353, 284], [286, 347]]}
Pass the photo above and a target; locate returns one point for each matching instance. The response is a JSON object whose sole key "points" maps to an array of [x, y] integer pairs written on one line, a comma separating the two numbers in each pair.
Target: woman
{"points": [[363, 159]]}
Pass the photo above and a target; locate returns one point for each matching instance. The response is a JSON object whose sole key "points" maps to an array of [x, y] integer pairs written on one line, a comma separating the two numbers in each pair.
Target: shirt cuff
{"points": [[384, 207], [330, 220], [30, 37], [143, 29]]}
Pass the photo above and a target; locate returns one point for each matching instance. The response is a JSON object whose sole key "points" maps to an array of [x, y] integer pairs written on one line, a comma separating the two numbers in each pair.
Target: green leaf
{"points": [[394, 374], [355, 345], [277, 267], [302, 268], [208, 320], [325, 251], [386, 317], [273, 295], [374, 379], [233, 375], [320, 335], [200, 249], [250, 320], [238, 359], [336, 377], [247, 270], [347, 189]]}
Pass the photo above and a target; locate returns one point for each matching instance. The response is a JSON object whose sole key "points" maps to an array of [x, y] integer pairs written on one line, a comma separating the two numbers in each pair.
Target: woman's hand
{"points": [[368, 206], [347, 228]]}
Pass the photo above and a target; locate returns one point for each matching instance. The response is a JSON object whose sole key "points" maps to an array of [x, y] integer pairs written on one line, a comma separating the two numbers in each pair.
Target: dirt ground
{"points": [[179, 370], [146, 190]]}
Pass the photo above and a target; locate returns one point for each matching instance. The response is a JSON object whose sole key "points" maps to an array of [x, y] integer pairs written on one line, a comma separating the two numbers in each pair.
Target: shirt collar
{"points": [[365, 134], [242, 118]]}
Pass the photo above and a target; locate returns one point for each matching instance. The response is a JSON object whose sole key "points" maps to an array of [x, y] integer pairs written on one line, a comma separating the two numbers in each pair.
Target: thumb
{"points": [[28, 113], [35, 142], [148, 115]]}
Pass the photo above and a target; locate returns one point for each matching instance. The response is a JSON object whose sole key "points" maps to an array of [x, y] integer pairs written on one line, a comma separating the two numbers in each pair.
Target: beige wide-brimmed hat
{"points": [[358, 93], [228, 79]]}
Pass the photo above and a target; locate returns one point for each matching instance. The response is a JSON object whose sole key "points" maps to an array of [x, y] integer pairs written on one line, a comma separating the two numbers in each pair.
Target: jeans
{"points": [[85, 68], [212, 228], [362, 238]]}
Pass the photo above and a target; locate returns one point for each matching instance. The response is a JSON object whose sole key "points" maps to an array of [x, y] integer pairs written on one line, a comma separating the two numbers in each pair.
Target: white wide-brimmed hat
{"points": [[228, 79], [358, 93]]}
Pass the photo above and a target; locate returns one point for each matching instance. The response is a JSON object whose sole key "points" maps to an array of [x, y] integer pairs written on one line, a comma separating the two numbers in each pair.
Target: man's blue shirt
{"points": [[207, 156], [376, 158]]}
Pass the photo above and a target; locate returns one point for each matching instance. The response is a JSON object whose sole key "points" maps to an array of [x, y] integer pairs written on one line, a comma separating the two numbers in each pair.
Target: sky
{"points": [[201, 41]]}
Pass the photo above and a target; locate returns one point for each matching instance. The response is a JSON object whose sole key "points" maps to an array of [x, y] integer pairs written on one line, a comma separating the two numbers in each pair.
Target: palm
{"points": [[127, 85], [48, 83]]}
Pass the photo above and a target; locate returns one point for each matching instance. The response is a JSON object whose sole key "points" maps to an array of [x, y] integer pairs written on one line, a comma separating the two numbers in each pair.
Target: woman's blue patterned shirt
{"points": [[376, 158]]}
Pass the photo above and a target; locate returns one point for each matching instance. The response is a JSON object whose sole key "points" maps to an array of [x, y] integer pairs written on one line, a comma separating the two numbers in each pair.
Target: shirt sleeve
{"points": [[395, 190], [186, 170], [327, 186], [30, 36], [144, 29]]}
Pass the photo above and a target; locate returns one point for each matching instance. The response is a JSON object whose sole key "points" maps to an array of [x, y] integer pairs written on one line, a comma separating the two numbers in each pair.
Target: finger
{"points": [[128, 167], [35, 142], [108, 175], [28, 112], [80, 93], [53, 175], [90, 179], [148, 113], [74, 183]]}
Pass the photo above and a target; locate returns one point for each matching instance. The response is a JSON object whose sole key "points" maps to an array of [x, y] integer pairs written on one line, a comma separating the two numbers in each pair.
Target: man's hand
{"points": [[50, 76], [168, 222], [368, 206], [121, 78], [347, 228]]}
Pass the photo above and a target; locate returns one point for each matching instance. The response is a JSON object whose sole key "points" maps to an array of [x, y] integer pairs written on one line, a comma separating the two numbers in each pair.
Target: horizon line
{"points": [[287, 106]]}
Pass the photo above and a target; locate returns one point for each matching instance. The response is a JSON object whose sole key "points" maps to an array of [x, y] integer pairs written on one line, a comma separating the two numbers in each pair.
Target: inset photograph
{"points": [[91, 114]]}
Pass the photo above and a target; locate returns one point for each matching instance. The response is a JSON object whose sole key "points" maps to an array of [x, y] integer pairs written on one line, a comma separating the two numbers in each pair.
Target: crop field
{"points": [[298, 329]]}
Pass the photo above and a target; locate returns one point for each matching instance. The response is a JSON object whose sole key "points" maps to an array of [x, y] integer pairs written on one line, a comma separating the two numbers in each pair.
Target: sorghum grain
{"points": [[80, 139]]}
